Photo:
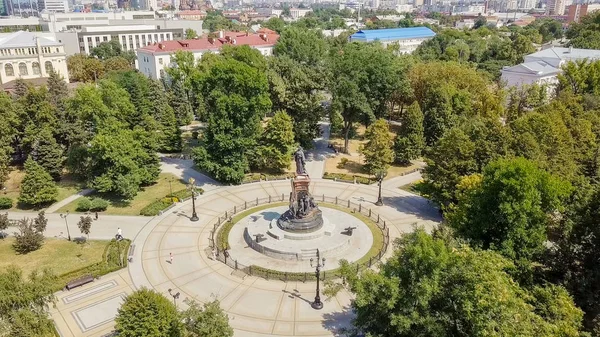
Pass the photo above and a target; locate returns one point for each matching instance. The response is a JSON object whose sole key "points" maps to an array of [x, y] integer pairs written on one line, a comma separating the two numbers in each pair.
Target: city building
{"points": [[191, 15], [130, 37], [26, 56], [543, 66], [577, 11], [152, 60], [555, 7], [297, 13], [53, 6], [408, 39]]}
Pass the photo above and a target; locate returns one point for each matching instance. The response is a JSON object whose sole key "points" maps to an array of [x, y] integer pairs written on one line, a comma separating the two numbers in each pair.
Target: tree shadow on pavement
{"points": [[415, 205], [339, 323]]}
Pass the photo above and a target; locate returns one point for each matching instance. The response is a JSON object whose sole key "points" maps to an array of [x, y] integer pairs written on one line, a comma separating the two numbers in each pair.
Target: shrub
{"points": [[28, 239], [348, 177], [84, 204], [98, 205], [5, 203], [342, 163], [155, 207], [183, 194]]}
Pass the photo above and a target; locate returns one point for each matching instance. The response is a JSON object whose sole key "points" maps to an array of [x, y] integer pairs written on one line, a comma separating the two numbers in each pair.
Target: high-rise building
{"points": [[575, 12], [4, 8], [556, 7], [53, 6]]}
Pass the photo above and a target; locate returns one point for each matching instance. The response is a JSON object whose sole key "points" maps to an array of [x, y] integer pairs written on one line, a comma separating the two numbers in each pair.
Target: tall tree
{"points": [[208, 320], [25, 302], [190, 34], [236, 95], [512, 210], [37, 187], [8, 134], [410, 141], [148, 313], [57, 90], [431, 287], [378, 149], [302, 45], [169, 139], [83, 68], [48, 153], [85, 224], [275, 145], [179, 101]]}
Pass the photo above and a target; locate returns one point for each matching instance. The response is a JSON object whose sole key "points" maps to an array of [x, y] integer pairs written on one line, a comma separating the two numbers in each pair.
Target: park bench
{"points": [[79, 282], [131, 251]]}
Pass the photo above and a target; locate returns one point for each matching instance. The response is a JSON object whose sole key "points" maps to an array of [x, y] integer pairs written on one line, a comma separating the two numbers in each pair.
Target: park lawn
{"points": [[59, 255], [66, 187], [147, 195]]}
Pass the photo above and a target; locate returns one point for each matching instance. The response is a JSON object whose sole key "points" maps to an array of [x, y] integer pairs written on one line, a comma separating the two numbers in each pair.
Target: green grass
{"points": [[60, 255], [145, 197]]}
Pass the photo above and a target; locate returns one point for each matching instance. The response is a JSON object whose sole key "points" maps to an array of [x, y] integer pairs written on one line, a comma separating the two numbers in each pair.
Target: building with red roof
{"points": [[153, 59]]}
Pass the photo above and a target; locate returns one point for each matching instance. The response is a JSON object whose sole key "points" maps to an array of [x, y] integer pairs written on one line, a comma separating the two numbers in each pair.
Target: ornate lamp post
{"points": [[380, 174], [64, 216], [192, 187], [317, 304], [175, 297]]}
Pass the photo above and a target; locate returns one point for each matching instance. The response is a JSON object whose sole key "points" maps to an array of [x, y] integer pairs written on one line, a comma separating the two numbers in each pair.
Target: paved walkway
{"points": [[184, 169], [56, 206], [401, 180], [315, 158], [256, 307]]}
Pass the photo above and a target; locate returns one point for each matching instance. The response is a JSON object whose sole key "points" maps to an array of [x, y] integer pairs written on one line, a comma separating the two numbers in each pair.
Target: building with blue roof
{"points": [[408, 39]]}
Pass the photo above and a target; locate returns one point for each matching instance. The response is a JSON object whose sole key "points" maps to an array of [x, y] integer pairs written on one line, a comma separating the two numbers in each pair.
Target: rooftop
{"points": [[205, 43], [23, 39], [539, 68], [392, 34], [567, 53]]}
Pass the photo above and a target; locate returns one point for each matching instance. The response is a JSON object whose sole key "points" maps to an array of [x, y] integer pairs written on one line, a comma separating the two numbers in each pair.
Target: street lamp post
{"points": [[64, 216], [192, 187], [380, 174], [317, 304], [175, 297]]}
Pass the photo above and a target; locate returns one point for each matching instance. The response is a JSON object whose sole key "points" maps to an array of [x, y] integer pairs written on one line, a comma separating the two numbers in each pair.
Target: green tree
{"points": [[40, 222], [301, 45], [169, 138], [236, 95], [25, 302], [148, 313], [206, 321], [275, 145], [37, 187], [8, 132], [378, 149], [83, 68], [117, 63], [190, 34], [512, 210], [4, 222], [179, 101], [586, 33], [48, 153], [106, 50], [275, 24], [85, 224], [57, 89], [28, 239], [410, 141], [431, 287], [121, 162]]}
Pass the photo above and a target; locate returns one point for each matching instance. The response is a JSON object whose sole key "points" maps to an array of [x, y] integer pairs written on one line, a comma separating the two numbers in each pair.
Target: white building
{"points": [[152, 60], [53, 6], [408, 39], [23, 55], [130, 37], [556, 7], [297, 13], [543, 66]]}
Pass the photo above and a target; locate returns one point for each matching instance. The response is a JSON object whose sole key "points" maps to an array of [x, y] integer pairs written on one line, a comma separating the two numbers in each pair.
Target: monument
{"points": [[303, 215]]}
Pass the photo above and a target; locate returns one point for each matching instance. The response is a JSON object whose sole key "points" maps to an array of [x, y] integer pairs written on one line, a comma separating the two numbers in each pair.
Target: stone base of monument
{"points": [[264, 236], [326, 229]]}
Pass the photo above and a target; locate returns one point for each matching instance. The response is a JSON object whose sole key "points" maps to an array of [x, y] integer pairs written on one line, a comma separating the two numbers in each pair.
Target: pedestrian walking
{"points": [[214, 255], [171, 257], [96, 215]]}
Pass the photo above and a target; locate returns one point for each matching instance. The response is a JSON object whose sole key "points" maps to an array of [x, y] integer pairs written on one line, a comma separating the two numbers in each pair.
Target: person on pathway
{"points": [[171, 257], [119, 234], [214, 255]]}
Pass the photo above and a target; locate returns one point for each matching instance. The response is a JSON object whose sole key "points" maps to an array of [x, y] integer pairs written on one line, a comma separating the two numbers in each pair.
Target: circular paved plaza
{"points": [[256, 307]]}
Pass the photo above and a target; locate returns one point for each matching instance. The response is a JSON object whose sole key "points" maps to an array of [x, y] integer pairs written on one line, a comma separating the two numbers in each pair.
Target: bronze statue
{"points": [[300, 161]]}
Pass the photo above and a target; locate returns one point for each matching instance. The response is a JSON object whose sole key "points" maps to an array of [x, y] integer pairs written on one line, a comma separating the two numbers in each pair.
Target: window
{"points": [[160, 60], [8, 69], [89, 40], [48, 66], [36, 68], [23, 69], [162, 73], [97, 39], [105, 39]]}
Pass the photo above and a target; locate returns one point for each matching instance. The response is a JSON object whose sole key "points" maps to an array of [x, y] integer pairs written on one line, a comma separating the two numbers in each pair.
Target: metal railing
{"points": [[224, 255]]}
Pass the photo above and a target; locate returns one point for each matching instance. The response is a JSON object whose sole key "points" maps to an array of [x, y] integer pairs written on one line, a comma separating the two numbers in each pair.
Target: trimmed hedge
{"points": [[6, 203], [156, 207], [84, 204], [252, 177], [113, 259], [98, 205], [349, 177]]}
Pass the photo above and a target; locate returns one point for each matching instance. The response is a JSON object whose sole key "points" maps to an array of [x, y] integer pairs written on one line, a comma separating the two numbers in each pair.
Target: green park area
{"points": [[165, 184]]}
